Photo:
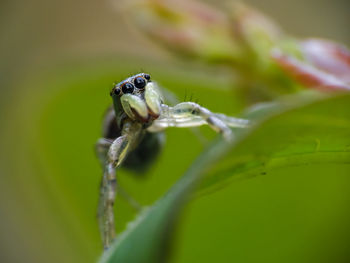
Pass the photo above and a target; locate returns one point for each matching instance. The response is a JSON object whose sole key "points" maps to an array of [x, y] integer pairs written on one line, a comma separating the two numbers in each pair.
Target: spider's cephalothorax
{"points": [[138, 97], [132, 135]]}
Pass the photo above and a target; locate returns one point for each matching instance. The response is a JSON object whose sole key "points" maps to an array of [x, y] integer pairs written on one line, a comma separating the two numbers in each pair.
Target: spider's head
{"points": [[137, 97]]}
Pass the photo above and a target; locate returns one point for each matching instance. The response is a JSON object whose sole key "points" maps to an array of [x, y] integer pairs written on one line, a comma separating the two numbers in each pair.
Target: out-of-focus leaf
{"points": [[311, 131]]}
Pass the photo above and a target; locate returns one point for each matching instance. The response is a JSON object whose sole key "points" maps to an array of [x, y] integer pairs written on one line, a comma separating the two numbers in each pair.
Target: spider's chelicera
{"points": [[132, 135]]}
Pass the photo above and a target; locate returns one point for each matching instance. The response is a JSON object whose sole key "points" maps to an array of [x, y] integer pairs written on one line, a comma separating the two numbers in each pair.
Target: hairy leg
{"points": [[190, 114], [112, 159]]}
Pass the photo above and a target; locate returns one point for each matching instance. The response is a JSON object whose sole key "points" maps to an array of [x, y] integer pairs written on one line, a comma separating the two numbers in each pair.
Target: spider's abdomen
{"points": [[142, 157]]}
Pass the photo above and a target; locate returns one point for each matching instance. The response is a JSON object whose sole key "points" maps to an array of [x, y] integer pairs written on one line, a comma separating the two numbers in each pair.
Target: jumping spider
{"points": [[132, 133]]}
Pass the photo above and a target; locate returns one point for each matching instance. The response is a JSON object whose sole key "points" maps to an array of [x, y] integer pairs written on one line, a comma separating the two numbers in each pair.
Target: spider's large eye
{"points": [[128, 88], [117, 91], [140, 82]]}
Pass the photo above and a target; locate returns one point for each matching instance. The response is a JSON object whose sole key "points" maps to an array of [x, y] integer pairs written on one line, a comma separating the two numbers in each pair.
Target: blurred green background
{"points": [[57, 62]]}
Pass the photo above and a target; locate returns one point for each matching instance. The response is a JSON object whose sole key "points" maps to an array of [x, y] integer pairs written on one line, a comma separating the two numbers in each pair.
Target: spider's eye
{"points": [[128, 88], [117, 91], [140, 82], [147, 76]]}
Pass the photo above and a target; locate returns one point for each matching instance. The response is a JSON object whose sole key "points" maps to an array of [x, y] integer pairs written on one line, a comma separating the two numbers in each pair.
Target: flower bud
{"points": [[188, 27], [324, 65]]}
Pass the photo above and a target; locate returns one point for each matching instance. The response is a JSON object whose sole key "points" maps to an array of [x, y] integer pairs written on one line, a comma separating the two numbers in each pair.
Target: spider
{"points": [[132, 135]]}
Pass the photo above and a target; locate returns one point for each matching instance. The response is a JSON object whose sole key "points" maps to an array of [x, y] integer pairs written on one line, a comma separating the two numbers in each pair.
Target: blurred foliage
{"points": [[268, 62], [294, 209]]}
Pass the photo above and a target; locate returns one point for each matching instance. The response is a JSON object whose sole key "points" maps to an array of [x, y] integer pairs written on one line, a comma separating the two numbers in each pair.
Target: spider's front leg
{"points": [[112, 159], [190, 114]]}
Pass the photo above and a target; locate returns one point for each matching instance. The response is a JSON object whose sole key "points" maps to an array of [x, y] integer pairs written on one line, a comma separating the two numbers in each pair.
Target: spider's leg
{"points": [[172, 99], [108, 188], [101, 149], [190, 114], [232, 121], [116, 153]]}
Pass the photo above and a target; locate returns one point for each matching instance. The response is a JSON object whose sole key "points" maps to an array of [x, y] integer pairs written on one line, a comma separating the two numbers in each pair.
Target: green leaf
{"points": [[315, 131], [147, 239], [296, 132]]}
